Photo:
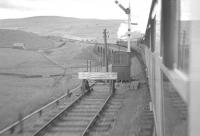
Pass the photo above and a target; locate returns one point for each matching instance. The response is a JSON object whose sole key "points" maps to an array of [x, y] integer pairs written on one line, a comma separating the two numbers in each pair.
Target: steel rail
{"points": [[13, 125], [39, 132], [96, 116]]}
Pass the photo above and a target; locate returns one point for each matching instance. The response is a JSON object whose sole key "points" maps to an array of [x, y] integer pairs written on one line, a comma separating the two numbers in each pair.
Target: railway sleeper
{"points": [[95, 133], [83, 111], [97, 95], [75, 114], [72, 124], [90, 104], [115, 103], [75, 118], [95, 99], [101, 123], [87, 106], [65, 130], [105, 120], [114, 107]]}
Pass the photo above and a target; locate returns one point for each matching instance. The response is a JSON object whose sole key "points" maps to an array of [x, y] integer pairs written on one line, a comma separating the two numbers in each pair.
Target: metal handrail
{"points": [[38, 132], [37, 111], [56, 116]]}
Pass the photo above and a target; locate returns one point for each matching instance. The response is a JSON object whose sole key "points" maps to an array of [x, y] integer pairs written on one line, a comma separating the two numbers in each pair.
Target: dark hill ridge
{"points": [[30, 40], [72, 28]]}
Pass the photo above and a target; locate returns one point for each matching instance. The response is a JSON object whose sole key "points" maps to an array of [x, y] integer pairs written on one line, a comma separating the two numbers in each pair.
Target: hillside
{"points": [[30, 40], [72, 28]]}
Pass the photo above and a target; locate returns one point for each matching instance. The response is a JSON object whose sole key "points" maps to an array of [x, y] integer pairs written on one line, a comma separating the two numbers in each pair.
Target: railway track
{"points": [[106, 121], [88, 114]]}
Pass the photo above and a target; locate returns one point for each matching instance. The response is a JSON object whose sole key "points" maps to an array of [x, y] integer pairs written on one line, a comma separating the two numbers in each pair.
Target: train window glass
{"points": [[175, 110], [184, 40]]}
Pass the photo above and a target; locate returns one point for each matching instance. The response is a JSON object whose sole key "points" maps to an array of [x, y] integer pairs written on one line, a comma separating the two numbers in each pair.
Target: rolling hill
{"points": [[72, 28], [29, 94], [30, 40]]}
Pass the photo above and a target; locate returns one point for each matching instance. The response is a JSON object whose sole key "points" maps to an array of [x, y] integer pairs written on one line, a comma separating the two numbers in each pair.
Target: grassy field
{"points": [[24, 95], [34, 63], [18, 95], [43, 56], [30, 40]]}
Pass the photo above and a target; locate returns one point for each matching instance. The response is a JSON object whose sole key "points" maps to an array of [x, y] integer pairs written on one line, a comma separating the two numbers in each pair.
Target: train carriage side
{"points": [[171, 52]]}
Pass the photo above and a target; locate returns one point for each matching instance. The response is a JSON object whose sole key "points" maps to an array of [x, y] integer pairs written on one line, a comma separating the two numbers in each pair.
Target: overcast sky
{"points": [[100, 9]]}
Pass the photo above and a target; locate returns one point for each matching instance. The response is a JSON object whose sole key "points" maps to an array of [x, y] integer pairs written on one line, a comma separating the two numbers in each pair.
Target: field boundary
{"points": [[12, 127]]}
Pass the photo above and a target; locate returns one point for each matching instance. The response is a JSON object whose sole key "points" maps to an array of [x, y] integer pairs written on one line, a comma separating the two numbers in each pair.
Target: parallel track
{"points": [[106, 121], [77, 118]]}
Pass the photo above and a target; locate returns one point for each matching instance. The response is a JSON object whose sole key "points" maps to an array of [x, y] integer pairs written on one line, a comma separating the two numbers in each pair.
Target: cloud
{"points": [[101, 9], [8, 4]]}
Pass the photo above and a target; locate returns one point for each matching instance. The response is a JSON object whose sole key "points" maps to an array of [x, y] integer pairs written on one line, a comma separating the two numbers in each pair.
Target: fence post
{"points": [[83, 86], [21, 125]]}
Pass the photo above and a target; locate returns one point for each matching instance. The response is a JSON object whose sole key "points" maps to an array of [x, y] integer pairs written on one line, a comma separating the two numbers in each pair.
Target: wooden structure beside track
{"points": [[121, 65]]}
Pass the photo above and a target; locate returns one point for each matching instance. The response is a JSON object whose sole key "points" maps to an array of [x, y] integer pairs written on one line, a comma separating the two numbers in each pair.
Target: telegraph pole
{"points": [[90, 65], [87, 65], [106, 49]]}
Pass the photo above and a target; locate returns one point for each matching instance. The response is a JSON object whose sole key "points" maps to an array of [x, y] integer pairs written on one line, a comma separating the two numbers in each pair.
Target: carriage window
{"points": [[184, 40], [175, 34]]}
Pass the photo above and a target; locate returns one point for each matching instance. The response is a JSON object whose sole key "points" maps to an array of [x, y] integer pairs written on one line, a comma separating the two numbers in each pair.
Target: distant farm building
{"points": [[19, 46]]}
